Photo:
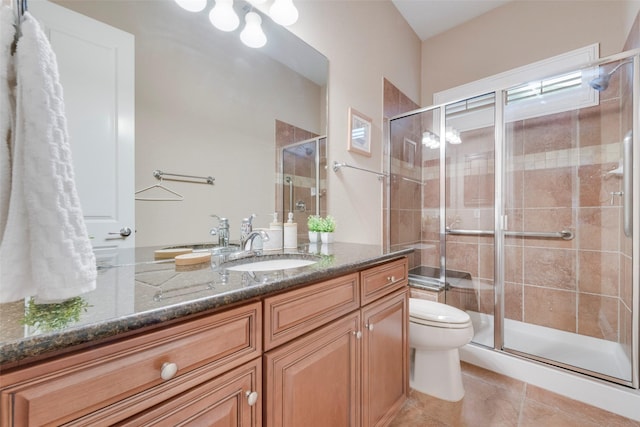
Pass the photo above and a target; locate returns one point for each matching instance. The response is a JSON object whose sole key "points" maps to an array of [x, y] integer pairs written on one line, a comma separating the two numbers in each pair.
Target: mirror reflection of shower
{"points": [[303, 181]]}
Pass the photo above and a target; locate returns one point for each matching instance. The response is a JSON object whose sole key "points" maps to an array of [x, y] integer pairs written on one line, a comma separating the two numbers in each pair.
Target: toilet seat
{"points": [[435, 314]]}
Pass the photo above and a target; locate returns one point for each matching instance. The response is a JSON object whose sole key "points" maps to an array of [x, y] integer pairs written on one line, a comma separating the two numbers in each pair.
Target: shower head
{"points": [[601, 83]]}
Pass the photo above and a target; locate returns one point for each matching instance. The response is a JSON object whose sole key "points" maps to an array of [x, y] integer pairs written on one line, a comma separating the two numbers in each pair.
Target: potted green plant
{"points": [[314, 224], [327, 228], [54, 316]]}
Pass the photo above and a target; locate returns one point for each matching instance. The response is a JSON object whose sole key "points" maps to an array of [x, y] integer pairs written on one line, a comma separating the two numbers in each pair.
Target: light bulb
{"points": [[283, 12], [452, 136], [192, 5], [223, 17], [252, 34], [430, 139]]}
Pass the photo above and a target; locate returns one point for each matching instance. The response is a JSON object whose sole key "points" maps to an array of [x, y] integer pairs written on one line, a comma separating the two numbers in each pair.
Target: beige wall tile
{"points": [[599, 272], [598, 316], [554, 268], [550, 307]]}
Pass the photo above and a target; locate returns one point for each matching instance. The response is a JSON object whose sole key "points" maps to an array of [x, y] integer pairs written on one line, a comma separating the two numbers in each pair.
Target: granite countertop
{"points": [[135, 291]]}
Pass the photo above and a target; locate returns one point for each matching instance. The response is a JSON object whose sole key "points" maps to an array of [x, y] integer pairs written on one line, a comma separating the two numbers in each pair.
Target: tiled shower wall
{"points": [[405, 212]]}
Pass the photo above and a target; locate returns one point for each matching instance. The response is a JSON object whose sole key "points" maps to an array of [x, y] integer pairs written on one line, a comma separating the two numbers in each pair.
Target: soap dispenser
{"points": [[290, 233], [275, 233]]}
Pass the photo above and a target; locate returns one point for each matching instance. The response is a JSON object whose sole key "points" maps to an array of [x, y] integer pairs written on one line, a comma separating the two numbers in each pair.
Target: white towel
{"points": [[7, 109], [45, 251]]}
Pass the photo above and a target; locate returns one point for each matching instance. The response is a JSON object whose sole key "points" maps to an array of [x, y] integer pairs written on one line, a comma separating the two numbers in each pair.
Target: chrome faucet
{"points": [[222, 231], [247, 242]]}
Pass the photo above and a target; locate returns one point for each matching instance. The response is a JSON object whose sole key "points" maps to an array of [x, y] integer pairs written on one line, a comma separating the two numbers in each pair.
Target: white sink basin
{"points": [[272, 264]]}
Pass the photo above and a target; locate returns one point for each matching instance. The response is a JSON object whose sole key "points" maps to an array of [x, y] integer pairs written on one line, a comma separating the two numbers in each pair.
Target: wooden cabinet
{"points": [[107, 384], [336, 355], [350, 372]]}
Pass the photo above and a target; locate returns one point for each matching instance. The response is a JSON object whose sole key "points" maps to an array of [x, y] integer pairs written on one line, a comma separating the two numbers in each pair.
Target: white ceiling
{"points": [[431, 17]]}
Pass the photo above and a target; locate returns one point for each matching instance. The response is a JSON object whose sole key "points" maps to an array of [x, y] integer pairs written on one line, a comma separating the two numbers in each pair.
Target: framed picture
{"points": [[359, 133]]}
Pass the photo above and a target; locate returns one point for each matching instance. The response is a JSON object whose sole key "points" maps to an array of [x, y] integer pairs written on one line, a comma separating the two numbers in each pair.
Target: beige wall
{"points": [[520, 33], [365, 41]]}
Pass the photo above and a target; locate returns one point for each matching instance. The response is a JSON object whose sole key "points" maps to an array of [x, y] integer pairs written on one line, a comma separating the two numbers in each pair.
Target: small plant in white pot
{"points": [[327, 228], [314, 224]]}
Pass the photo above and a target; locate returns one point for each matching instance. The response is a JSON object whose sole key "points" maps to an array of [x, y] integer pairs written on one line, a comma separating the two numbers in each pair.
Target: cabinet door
{"points": [[314, 380], [230, 400], [384, 358]]}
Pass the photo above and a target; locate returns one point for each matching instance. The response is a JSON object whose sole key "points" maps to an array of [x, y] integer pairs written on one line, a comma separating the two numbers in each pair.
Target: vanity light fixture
{"points": [[192, 5], [283, 12], [252, 34], [223, 17]]}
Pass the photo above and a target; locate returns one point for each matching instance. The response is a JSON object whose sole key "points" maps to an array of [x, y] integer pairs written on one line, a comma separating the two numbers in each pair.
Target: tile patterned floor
{"points": [[494, 400]]}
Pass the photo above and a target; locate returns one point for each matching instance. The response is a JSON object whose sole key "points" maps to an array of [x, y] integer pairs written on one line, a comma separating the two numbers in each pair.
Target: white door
{"points": [[96, 63]]}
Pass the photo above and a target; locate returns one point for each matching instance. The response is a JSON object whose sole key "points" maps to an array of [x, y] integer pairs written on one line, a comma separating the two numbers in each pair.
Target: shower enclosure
{"points": [[522, 207]]}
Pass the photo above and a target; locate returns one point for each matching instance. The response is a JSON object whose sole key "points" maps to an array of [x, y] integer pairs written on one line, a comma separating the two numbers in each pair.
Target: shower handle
{"points": [[627, 183]]}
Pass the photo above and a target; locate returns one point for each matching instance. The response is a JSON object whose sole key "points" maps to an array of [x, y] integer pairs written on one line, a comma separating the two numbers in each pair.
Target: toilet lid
{"points": [[434, 312]]}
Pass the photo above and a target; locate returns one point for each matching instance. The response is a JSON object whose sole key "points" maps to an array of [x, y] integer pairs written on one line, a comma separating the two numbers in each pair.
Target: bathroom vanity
{"points": [[319, 345]]}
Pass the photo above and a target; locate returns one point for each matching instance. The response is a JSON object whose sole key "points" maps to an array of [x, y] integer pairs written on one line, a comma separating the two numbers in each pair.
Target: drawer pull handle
{"points": [[369, 326], [252, 397], [358, 334], [391, 279], [168, 370]]}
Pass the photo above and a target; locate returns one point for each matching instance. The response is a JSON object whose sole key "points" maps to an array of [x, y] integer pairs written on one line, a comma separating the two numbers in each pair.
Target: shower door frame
{"points": [[500, 215], [499, 262]]}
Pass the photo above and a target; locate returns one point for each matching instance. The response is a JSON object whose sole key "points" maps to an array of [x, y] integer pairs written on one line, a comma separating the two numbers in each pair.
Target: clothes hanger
{"points": [[177, 197]]}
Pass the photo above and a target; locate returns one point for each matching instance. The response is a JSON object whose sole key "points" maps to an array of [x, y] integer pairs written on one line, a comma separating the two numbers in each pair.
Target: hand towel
{"points": [[45, 251], [7, 110]]}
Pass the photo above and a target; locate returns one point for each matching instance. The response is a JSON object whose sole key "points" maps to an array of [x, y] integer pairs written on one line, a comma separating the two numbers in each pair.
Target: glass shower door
{"points": [[469, 147], [567, 252]]}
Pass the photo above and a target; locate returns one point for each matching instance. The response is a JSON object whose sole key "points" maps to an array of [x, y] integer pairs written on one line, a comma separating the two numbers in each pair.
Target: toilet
{"points": [[436, 331]]}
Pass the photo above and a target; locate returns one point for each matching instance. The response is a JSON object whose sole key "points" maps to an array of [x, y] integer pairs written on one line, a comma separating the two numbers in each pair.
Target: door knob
{"points": [[124, 232]]}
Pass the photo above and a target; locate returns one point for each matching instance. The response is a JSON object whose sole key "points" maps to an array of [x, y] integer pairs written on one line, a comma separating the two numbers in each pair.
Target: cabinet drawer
{"points": [[291, 314], [232, 399], [383, 279], [76, 385]]}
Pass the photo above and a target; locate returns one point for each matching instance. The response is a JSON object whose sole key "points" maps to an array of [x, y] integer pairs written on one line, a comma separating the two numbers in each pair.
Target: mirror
{"points": [[207, 105]]}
